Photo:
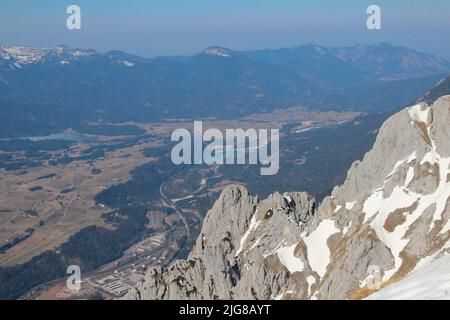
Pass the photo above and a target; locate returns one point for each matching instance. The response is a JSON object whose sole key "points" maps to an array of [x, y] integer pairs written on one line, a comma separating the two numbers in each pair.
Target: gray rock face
{"points": [[229, 254], [391, 213]]}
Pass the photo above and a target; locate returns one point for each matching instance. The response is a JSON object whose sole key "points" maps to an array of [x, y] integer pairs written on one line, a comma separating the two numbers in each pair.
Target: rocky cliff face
{"points": [[392, 212]]}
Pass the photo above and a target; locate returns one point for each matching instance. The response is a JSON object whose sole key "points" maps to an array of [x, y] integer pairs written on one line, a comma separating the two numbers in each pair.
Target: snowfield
{"points": [[377, 208], [289, 260], [429, 282], [318, 250]]}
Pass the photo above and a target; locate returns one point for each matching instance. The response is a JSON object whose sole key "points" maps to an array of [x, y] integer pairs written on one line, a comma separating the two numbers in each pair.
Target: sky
{"points": [[179, 27]]}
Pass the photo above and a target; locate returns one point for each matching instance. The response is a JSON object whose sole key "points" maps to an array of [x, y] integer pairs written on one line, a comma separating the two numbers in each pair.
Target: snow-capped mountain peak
{"points": [[218, 52], [25, 55]]}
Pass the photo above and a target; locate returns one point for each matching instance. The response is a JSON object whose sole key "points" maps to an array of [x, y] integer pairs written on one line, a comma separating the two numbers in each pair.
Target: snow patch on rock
{"points": [[419, 112], [289, 260], [253, 226], [428, 282], [318, 250]]}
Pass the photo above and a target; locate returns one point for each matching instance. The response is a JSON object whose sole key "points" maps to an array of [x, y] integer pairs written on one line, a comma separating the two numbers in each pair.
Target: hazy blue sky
{"points": [[161, 27]]}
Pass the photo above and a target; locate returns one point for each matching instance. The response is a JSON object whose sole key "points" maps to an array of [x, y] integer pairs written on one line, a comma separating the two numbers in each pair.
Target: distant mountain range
{"points": [[46, 90]]}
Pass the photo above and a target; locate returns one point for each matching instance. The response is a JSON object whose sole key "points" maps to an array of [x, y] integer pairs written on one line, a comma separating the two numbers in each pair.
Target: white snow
{"points": [[27, 55], [347, 228], [419, 112], [289, 260], [127, 63], [278, 296], [399, 198], [408, 160], [447, 245], [446, 228], [442, 193], [79, 53], [253, 246], [431, 281], [371, 205], [253, 225], [291, 292], [430, 157], [380, 208], [219, 52], [281, 295], [310, 280], [409, 176], [318, 250], [338, 207], [350, 205]]}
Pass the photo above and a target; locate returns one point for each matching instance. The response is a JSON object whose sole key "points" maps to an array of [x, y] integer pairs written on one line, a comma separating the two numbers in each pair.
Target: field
{"points": [[57, 201]]}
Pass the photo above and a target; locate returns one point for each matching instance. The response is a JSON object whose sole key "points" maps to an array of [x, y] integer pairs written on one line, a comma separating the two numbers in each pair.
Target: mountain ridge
{"points": [[82, 85], [217, 83], [392, 212], [428, 63]]}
